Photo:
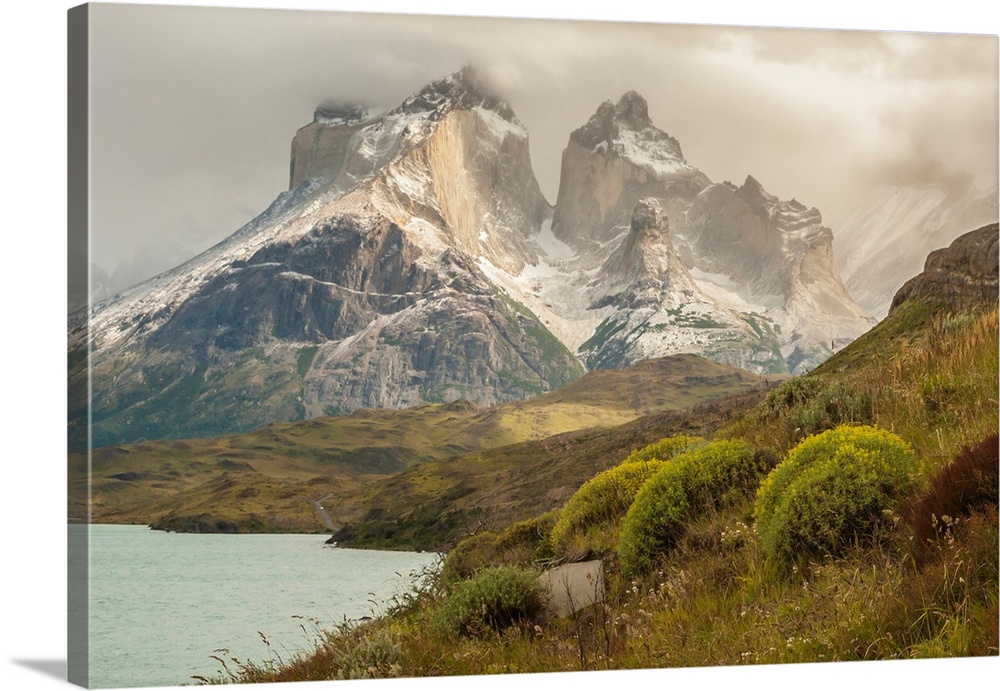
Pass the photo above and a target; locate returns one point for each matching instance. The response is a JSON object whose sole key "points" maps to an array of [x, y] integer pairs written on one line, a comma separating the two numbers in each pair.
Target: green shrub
{"points": [[470, 554], [589, 520], [685, 488], [600, 502], [790, 394], [374, 657], [832, 490], [494, 599], [834, 404], [807, 405]]}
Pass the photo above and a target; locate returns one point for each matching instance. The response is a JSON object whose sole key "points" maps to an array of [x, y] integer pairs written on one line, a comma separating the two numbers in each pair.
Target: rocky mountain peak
{"points": [[753, 192], [339, 113], [647, 252], [461, 90], [346, 144], [627, 129], [648, 216], [618, 157], [633, 110]]}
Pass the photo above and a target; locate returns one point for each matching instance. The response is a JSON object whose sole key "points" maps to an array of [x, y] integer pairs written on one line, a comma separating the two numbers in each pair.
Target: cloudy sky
{"points": [[194, 109]]}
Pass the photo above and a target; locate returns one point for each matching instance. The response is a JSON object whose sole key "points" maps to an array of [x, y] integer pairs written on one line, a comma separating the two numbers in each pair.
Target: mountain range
{"points": [[415, 260]]}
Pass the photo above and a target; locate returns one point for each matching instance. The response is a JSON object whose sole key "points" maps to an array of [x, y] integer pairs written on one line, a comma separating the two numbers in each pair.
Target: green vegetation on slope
{"points": [[833, 490], [910, 585], [696, 482], [588, 522]]}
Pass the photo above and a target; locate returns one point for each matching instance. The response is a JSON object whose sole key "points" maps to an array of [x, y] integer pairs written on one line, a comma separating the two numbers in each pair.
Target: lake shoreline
{"points": [[161, 604]]}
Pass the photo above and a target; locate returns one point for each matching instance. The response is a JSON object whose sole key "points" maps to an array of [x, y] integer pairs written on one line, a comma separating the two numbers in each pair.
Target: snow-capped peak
{"points": [[625, 129], [461, 90]]}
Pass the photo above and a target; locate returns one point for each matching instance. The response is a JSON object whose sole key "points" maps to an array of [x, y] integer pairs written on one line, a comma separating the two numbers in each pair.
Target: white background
{"points": [[33, 257]]}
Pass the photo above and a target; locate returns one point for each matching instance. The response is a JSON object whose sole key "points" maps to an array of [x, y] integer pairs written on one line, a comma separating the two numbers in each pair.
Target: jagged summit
{"points": [[751, 189], [347, 143], [648, 236], [633, 109], [648, 216], [625, 129], [461, 90], [645, 271], [787, 216], [618, 157]]}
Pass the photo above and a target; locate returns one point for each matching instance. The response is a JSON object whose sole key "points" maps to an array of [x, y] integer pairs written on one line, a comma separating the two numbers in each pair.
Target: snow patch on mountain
{"points": [[500, 126], [553, 249], [645, 149]]}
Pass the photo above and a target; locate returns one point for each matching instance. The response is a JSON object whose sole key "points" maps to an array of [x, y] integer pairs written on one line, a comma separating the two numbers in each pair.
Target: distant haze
{"points": [[194, 109]]}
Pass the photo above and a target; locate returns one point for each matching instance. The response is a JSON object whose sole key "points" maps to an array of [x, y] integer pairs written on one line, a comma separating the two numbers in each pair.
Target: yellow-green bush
{"points": [[600, 501], [832, 490], [589, 520], [684, 489]]}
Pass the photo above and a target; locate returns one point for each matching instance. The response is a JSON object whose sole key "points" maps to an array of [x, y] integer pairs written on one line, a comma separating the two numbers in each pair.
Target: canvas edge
{"points": [[78, 260]]}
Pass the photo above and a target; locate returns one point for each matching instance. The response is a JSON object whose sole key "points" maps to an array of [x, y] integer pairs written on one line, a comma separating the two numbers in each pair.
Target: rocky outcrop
{"points": [[358, 288], [615, 159], [961, 275], [647, 253], [322, 148]]}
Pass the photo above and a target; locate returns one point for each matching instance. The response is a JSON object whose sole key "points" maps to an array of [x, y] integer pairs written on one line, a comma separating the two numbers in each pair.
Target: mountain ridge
{"points": [[414, 260]]}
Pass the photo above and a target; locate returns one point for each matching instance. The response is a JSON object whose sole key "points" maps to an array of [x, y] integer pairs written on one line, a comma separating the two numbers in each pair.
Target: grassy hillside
{"points": [[432, 506], [915, 577], [264, 480]]}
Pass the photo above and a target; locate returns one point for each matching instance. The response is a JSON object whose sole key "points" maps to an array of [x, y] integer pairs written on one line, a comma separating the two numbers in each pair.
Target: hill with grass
{"points": [[267, 479], [847, 514]]}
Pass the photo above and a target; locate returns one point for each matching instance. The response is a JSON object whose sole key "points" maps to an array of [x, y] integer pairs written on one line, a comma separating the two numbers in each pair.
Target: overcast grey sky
{"points": [[194, 108]]}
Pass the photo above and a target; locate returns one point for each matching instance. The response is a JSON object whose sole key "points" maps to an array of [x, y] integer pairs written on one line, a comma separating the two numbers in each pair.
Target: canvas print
{"points": [[407, 346]]}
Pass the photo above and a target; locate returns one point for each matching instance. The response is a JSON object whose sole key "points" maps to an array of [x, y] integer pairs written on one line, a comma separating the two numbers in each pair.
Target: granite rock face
{"points": [[963, 274], [615, 159], [415, 260], [358, 288], [758, 278]]}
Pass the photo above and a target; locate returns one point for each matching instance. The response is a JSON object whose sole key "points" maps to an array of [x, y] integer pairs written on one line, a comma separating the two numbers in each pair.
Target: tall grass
{"points": [[936, 388]]}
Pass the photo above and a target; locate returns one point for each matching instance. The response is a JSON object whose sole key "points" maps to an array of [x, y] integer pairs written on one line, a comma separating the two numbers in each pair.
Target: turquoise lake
{"points": [[161, 604]]}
